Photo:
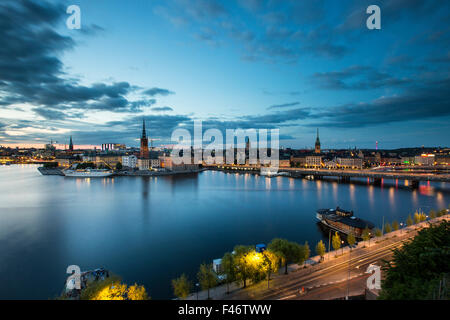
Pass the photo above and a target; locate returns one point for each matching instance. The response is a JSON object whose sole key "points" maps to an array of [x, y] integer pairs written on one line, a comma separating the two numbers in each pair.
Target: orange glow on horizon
{"points": [[58, 146]]}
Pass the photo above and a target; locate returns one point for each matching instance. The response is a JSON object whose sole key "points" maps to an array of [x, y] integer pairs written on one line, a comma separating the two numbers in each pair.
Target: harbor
{"points": [[126, 223]]}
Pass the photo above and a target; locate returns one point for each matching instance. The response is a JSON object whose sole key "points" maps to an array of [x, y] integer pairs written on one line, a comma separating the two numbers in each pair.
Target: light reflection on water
{"points": [[151, 229]]}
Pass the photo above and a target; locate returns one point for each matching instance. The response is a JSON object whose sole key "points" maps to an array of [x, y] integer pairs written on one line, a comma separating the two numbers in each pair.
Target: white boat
{"points": [[88, 173], [269, 171]]}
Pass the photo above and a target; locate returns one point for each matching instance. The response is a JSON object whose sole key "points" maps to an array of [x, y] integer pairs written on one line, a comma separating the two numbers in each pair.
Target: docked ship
{"points": [[88, 173], [343, 221]]}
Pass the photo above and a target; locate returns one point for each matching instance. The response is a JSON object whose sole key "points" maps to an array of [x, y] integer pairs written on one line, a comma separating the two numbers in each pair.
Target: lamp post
{"points": [[196, 286], [342, 242], [329, 243], [348, 275]]}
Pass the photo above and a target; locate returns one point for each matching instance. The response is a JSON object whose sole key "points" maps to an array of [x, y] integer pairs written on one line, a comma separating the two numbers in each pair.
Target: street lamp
{"points": [[342, 242], [196, 286], [348, 275]]}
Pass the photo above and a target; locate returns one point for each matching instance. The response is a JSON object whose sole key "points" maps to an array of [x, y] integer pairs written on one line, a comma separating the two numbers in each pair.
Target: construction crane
{"points": [[151, 142]]}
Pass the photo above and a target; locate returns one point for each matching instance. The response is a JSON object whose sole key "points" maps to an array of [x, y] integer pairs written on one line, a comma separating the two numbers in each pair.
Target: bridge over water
{"points": [[346, 175]]}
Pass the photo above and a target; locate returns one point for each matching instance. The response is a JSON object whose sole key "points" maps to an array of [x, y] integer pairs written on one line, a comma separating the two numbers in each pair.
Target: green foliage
{"points": [[442, 212], [242, 267], [336, 241], [271, 262], [409, 221], [206, 277], [320, 248], [395, 225], [113, 289], [419, 217], [119, 166], [418, 266], [351, 240], [378, 232], [366, 234], [387, 227], [229, 269], [290, 251], [306, 251], [181, 286], [432, 214]]}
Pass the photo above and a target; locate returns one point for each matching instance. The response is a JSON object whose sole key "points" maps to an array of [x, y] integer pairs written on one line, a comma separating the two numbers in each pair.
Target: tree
{"points": [[136, 292], [271, 263], [120, 291], [351, 240], [442, 212], [206, 277], [306, 251], [181, 286], [320, 249], [418, 267], [119, 166], [336, 241], [366, 234], [409, 221], [387, 227], [292, 252], [242, 268], [416, 217], [378, 232], [432, 214], [395, 225], [229, 269]]}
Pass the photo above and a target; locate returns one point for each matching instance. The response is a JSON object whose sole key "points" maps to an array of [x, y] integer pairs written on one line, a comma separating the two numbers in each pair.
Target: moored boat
{"points": [[343, 221], [88, 173]]}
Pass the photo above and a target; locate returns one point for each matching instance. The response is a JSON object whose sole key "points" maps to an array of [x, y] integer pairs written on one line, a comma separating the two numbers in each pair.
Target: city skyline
{"points": [[241, 64]]}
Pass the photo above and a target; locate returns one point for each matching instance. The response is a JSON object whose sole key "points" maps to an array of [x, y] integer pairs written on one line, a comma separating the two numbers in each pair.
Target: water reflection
{"points": [[150, 229]]}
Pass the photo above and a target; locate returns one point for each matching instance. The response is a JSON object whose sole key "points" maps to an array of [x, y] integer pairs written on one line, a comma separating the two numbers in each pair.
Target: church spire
{"points": [[317, 146], [70, 144], [144, 134]]}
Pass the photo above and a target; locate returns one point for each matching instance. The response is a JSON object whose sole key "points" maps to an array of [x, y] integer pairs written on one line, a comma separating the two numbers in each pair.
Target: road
{"points": [[328, 280]]}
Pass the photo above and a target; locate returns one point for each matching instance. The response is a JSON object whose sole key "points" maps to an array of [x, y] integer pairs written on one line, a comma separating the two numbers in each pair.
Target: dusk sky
{"points": [[293, 65]]}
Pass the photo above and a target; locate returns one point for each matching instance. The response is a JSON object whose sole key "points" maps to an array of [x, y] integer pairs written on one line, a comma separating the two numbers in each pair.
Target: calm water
{"points": [[150, 230]]}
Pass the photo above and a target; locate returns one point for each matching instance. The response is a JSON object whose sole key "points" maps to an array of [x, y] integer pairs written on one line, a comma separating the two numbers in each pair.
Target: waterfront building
{"points": [[113, 147], [442, 159], [425, 159], [313, 160], [350, 162], [66, 160], [148, 164], [129, 161]]}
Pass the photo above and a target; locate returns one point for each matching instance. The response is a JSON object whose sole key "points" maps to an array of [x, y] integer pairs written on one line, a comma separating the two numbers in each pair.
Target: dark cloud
{"points": [[162, 108], [357, 78], [157, 91], [424, 102], [32, 72], [284, 105]]}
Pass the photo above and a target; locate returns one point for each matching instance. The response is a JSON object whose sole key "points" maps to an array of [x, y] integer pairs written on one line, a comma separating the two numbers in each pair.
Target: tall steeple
{"points": [[144, 134], [317, 146], [144, 154], [70, 144]]}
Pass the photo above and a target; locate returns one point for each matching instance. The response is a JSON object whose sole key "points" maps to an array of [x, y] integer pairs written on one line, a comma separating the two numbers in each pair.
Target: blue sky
{"points": [[292, 65]]}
